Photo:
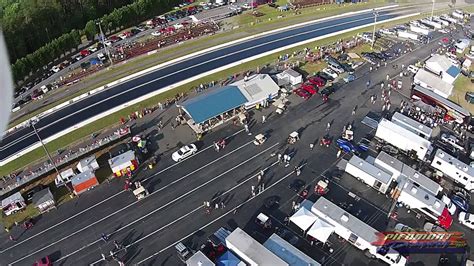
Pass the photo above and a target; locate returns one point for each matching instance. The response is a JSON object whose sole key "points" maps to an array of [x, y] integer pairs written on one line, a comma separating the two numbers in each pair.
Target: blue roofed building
{"points": [[288, 253], [215, 107]]}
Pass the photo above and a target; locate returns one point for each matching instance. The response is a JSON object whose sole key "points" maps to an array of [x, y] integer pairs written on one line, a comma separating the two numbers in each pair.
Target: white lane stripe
{"points": [[182, 70], [148, 214], [169, 224], [215, 220], [111, 197]]}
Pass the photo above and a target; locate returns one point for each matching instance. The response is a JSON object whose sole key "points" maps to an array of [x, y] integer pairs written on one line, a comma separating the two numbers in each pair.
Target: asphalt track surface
{"points": [[120, 94]]}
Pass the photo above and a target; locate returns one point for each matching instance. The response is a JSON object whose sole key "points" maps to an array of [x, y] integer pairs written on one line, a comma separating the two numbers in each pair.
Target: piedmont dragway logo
{"points": [[422, 242]]}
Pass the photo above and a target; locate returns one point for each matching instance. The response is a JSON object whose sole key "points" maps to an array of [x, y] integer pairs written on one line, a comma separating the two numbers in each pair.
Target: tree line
{"points": [[57, 26]]}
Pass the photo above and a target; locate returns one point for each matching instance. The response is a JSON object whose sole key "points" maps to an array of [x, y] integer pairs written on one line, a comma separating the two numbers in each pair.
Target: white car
{"points": [[449, 204], [156, 33], [184, 152], [466, 219], [122, 36], [55, 69], [330, 72], [101, 56], [413, 69], [93, 49], [108, 42]]}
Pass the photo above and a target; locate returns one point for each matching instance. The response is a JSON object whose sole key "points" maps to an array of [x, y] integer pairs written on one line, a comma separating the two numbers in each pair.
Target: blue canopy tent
{"points": [[228, 259]]}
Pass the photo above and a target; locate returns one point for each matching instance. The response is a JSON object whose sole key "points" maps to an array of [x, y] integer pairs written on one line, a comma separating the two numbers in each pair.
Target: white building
{"points": [[403, 138], [460, 172], [433, 82], [461, 45], [420, 29], [412, 125], [443, 67], [64, 177], [355, 231], [369, 174], [290, 76], [250, 250], [87, 164], [401, 172], [257, 89]]}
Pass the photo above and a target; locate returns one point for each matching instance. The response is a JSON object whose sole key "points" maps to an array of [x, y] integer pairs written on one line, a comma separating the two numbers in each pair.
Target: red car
{"points": [[302, 93], [85, 53], [45, 261], [309, 88], [114, 39], [319, 82]]}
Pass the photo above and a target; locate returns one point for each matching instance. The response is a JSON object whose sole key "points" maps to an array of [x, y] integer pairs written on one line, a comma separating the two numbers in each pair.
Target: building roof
{"points": [[411, 124], [86, 163], [42, 196], [287, 252], [333, 213], [433, 83], [292, 73], [370, 169], [124, 158], [199, 259], [257, 88], [422, 195], [453, 71], [17, 197], [454, 162], [251, 250], [440, 63], [442, 100], [213, 103], [82, 177]]}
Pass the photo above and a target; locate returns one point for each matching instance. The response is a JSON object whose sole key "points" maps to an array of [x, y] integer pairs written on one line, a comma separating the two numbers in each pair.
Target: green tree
{"points": [[90, 30]]}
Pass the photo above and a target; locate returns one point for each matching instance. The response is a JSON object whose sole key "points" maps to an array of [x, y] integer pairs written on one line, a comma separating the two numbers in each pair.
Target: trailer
{"points": [[369, 174], [403, 139], [355, 231], [433, 23], [408, 35], [441, 21], [453, 168], [421, 30], [412, 125]]}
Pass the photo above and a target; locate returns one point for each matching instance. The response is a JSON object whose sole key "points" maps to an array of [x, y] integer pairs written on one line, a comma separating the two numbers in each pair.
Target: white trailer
{"points": [[441, 21], [408, 35], [250, 250], [369, 174], [459, 14], [403, 139], [434, 23], [355, 231], [412, 125], [419, 29], [449, 19], [453, 168]]}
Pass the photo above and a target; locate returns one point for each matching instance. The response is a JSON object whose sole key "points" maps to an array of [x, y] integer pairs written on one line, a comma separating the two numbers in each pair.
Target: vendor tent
{"points": [[321, 230], [119, 164], [303, 218], [229, 259], [13, 203]]}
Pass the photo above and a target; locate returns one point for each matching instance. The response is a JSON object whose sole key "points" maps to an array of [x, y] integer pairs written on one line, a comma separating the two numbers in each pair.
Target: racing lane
{"points": [[120, 94]]}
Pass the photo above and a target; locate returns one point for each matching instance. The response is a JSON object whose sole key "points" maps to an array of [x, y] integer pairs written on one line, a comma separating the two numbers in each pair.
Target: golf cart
{"points": [[259, 139], [321, 187], [264, 221], [293, 138], [140, 192]]}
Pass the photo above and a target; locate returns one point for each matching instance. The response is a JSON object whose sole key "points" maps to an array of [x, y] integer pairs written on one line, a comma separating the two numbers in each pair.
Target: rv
{"points": [[355, 231], [433, 23], [369, 174], [415, 197], [459, 14], [453, 168], [420, 29], [412, 125], [403, 139]]}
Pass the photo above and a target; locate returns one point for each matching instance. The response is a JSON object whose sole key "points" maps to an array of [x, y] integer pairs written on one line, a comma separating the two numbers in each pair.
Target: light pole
{"points": [[102, 40], [432, 10], [373, 32], [32, 124]]}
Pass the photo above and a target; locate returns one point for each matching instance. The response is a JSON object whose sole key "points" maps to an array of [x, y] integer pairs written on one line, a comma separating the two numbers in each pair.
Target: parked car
{"points": [[399, 227], [460, 202], [85, 53], [184, 152], [78, 57], [449, 204], [101, 57], [36, 94], [317, 81], [327, 91], [45, 261], [349, 78], [336, 68], [330, 72], [302, 93], [309, 88], [347, 68], [324, 76], [466, 219], [55, 69], [156, 33], [451, 140], [431, 227], [413, 69], [93, 49], [296, 185]]}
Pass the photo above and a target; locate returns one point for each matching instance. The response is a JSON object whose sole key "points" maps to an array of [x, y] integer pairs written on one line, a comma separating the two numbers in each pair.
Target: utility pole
{"points": [[373, 32], [32, 123], [102, 40], [432, 10]]}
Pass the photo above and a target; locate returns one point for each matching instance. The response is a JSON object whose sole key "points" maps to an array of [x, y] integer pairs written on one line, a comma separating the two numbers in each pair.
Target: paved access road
{"points": [[120, 94]]}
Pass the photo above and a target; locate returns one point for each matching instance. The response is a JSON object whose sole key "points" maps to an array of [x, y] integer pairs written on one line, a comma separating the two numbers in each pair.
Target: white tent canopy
{"points": [[321, 230], [303, 218]]}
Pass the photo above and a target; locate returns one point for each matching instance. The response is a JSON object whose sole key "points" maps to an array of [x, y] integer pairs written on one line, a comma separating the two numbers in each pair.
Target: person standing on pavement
{"points": [[311, 146], [172, 126], [328, 126], [263, 119], [279, 158]]}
